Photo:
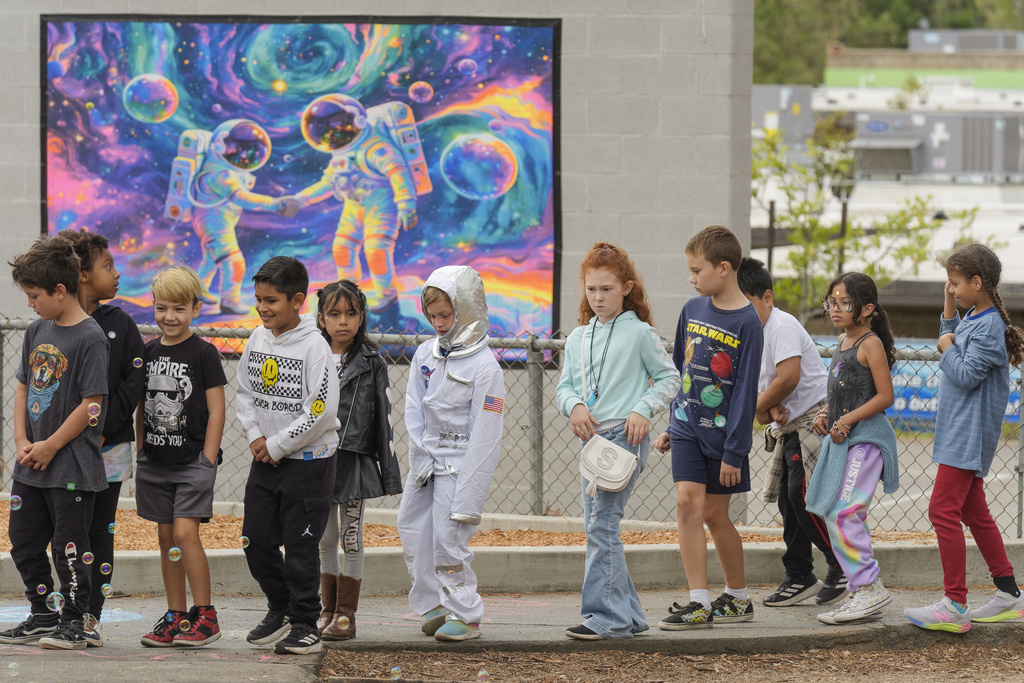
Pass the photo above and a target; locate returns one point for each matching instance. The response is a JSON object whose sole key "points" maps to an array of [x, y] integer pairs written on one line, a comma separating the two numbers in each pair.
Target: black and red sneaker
{"points": [[164, 629], [198, 628]]}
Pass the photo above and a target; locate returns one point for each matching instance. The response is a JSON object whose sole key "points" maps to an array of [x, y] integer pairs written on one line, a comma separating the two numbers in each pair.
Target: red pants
{"points": [[959, 496]]}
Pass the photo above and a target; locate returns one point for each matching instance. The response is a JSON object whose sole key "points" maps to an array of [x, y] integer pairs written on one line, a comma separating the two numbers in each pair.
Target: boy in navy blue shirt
{"points": [[718, 351]]}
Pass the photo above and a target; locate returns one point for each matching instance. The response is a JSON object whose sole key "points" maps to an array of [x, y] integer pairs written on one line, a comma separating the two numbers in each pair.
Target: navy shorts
{"points": [[164, 492], [690, 464]]}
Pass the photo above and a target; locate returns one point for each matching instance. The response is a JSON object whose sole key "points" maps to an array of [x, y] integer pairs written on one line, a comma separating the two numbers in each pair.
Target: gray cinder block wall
{"points": [[655, 120]]}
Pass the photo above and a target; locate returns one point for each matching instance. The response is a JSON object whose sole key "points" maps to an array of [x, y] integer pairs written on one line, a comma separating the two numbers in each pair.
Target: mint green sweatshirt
{"points": [[635, 353]]}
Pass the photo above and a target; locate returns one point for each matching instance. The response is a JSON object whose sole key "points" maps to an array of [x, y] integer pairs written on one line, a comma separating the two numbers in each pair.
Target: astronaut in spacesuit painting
{"points": [[377, 169]]}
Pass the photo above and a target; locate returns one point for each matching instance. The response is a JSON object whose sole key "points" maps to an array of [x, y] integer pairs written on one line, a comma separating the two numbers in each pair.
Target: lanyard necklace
{"points": [[600, 370]]}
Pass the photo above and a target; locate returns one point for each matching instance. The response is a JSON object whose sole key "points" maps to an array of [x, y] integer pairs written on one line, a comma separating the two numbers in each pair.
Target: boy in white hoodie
{"points": [[453, 413], [287, 402]]}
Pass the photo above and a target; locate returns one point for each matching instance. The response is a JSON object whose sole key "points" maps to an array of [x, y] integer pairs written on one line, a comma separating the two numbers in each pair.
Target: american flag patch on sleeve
{"points": [[493, 404]]}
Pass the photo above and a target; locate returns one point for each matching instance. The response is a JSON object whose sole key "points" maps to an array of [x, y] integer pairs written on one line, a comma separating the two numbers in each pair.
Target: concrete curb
{"points": [[543, 569]]}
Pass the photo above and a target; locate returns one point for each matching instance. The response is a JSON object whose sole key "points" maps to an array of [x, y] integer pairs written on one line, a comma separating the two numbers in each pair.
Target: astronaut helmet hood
{"points": [[333, 123], [241, 143], [468, 333]]}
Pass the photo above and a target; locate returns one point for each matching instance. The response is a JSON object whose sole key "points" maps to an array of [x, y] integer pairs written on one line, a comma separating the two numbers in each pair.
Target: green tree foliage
{"points": [[790, 36], [810, 194]]}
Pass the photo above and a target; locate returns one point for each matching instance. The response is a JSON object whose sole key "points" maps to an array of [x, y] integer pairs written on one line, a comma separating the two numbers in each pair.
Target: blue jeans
{"points": [[610, 606]]}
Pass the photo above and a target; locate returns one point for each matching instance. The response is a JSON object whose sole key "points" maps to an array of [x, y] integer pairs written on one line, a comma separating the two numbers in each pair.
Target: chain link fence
{"points": [[538, 473]]}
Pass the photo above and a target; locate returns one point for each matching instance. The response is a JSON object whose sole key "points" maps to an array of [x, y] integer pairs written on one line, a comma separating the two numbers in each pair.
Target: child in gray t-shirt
{"points": [[58, 419]]}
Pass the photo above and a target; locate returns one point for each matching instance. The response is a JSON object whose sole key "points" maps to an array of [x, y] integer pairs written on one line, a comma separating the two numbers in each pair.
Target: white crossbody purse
{"points": [[603, 464]]}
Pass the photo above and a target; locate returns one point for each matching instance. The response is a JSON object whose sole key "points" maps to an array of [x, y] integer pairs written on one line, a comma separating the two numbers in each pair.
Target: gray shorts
{"points": [[164, 492]]}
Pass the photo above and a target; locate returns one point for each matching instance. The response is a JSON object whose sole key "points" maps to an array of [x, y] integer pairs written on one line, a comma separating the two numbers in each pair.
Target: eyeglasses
{"points": [[844, 305]]}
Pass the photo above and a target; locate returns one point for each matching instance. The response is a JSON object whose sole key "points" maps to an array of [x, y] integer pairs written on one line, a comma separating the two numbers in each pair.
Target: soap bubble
{"points": [[13, 669], [94, 421], [55, 602], [482, 676], [15, 503], [396, 672], [105, 568], [245, 541], [174, 554], [87, 558], [479, 166], [421, 91], [111, 527], [184, 625], [169, 617], [150, 98], [106, 590], [40, 589]]}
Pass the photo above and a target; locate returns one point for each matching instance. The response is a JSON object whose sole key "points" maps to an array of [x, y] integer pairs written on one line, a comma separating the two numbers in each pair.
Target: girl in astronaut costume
{"points": [[453, 414]]}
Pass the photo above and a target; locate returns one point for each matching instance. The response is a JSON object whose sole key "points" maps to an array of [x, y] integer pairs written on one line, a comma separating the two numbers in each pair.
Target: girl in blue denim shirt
{"points": [[615, 378]]}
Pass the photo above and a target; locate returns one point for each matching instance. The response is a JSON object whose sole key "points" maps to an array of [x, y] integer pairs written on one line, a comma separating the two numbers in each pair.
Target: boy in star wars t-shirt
{"points": [[180, 423]]}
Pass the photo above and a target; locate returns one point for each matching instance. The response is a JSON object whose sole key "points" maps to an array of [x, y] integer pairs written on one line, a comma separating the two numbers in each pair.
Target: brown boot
{"points": [[343, 626], [328, 598]]}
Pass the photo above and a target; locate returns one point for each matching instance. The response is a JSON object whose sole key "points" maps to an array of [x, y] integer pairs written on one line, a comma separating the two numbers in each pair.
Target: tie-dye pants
{"points": [[847, 518]]}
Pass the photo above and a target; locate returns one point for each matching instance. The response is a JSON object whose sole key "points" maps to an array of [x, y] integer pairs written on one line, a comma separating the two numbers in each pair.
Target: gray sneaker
{"points": [[1000, 608]]}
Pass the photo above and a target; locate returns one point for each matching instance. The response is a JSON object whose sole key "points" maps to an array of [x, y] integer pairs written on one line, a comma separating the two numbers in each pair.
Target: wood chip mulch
{"points": [[225, 532]]}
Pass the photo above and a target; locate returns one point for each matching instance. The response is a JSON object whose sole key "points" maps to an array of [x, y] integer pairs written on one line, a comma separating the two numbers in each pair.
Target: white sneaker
{"points": [[942, 616], [830, 617], [1000, 608], [867, 600]]}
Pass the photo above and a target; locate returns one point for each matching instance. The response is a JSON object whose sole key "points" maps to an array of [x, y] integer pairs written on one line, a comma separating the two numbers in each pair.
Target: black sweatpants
{"points": [[288, 505], [101, 541], [799, 528], [59, 518]]}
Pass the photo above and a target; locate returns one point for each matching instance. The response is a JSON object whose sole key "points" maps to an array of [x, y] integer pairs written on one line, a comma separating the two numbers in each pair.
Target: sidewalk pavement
{"points": [[513, 622]]}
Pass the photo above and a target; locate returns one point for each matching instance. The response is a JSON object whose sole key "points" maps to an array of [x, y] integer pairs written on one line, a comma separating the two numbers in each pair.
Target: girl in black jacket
{"points": [[367, 467]]}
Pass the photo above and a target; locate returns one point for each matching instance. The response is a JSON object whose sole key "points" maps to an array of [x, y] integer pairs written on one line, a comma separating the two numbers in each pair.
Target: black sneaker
{"points": [[581, 632], [792, 591], [31, 630], [271, 629], [302, 640], [69, 635], [694, 615], [729, 609], [834, 589], [91, 630]]}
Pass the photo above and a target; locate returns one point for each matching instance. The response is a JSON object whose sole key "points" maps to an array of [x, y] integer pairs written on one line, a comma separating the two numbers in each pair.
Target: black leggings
{"points": [[102, 543]]}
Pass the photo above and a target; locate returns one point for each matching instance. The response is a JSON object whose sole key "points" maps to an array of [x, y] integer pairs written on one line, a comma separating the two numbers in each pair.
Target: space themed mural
{"points": [[373, 151]]}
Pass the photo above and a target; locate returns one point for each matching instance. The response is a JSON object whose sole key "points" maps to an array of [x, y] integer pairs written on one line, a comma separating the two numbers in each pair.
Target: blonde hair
{"points": [[431, 295], [177, 284]]}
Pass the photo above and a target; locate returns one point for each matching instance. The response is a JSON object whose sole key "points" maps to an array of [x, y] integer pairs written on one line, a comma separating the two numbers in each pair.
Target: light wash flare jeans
{"points": [[610, 606]]}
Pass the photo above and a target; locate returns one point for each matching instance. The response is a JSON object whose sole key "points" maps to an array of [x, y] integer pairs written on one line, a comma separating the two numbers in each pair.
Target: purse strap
{"points": [[583, 365]]}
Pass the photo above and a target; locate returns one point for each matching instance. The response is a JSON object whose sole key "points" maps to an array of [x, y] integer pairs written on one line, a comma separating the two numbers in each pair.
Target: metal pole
{"points": [[842, 237], [771, 233], [1020, 459], [535, 377]]}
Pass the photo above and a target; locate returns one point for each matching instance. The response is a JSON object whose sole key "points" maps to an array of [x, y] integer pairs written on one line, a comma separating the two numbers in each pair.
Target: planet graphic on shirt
{"points": [[711, 396], [690, 344], [680, 413], [687, 382], [719, 421], [721, 364]]}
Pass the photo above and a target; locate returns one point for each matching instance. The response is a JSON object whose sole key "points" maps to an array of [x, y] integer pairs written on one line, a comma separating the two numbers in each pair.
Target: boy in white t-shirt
{"points": [[791, 390]]}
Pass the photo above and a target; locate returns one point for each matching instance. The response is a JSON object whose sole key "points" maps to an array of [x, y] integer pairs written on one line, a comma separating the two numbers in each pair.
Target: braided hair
{"points": [[977, 260], [349, 292]]}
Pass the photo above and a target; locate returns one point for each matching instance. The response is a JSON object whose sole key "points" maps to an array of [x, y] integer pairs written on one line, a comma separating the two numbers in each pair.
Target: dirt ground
{"points": [[941, 663], [225, 532]]}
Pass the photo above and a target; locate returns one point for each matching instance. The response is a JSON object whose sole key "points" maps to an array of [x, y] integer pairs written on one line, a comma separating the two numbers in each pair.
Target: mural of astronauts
{"points": [[377, 169], [211, 182]]}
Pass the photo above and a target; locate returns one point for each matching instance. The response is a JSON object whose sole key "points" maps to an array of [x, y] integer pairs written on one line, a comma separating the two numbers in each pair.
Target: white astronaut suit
{"points": [[369, 174], [454, 408], [221, 191]]}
